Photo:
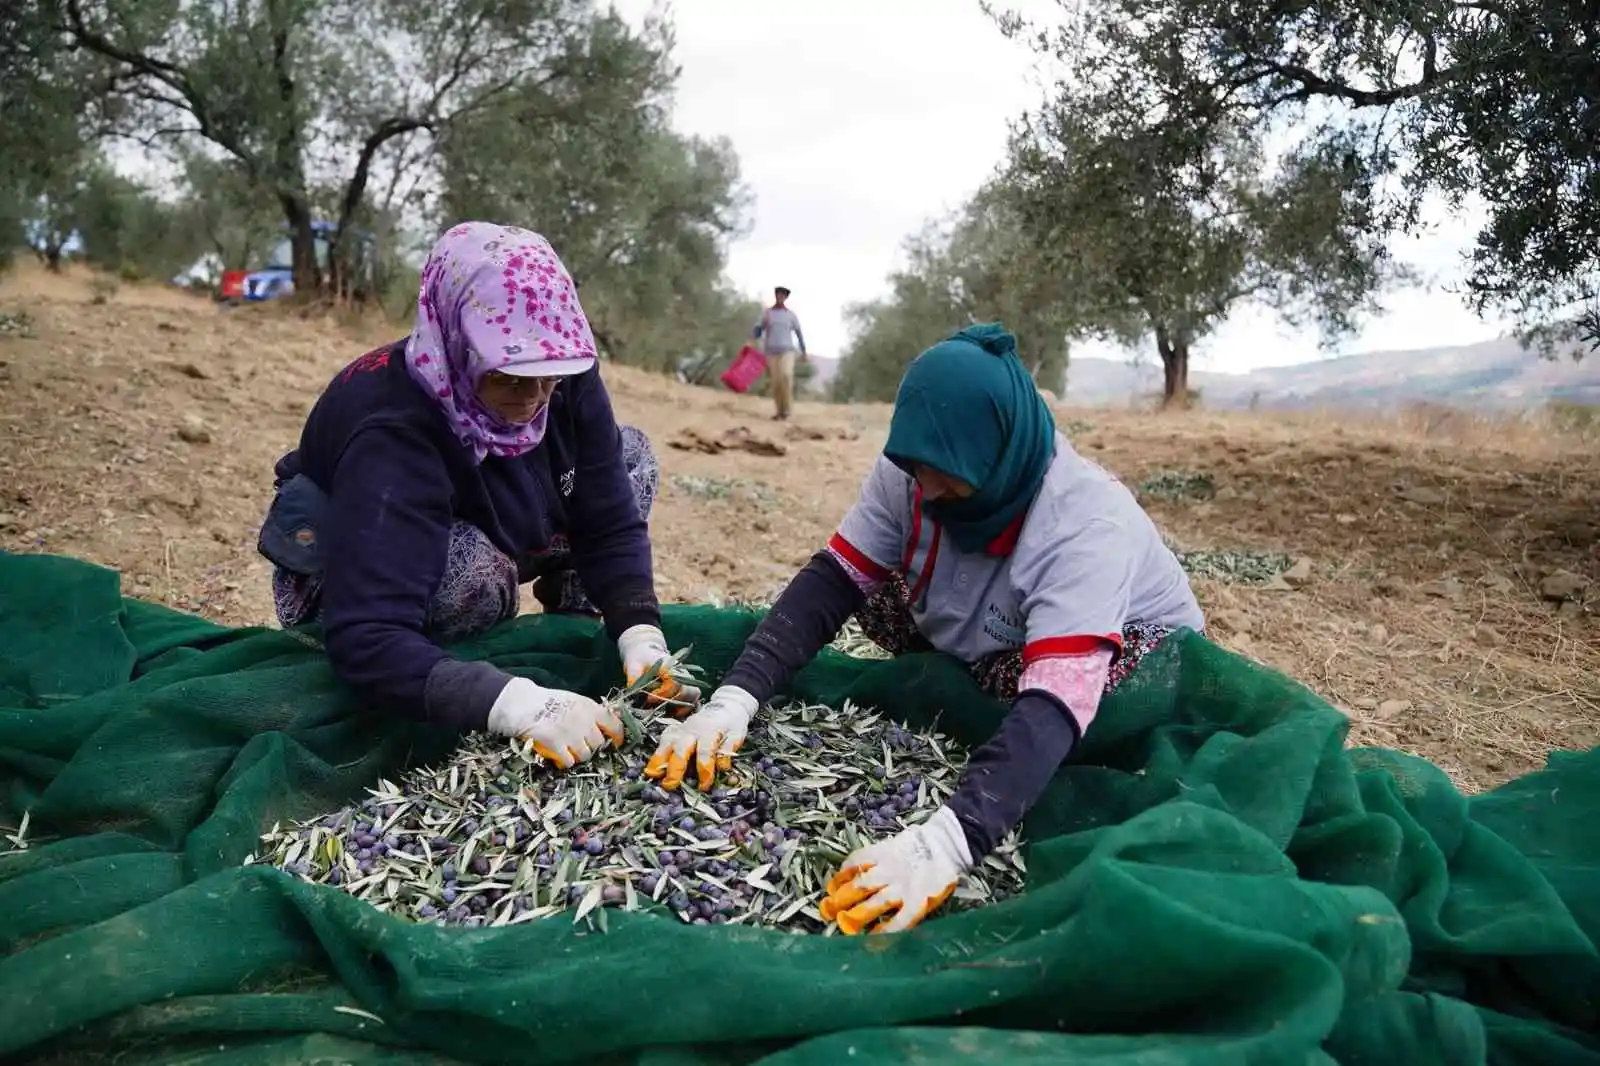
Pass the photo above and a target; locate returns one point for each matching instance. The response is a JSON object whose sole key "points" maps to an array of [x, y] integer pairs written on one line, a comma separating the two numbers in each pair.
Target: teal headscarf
{"points": [[967, 407]]}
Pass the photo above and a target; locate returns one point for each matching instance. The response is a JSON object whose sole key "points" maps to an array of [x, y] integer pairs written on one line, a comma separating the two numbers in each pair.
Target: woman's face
{"points": [[516, 400], [937, 485]]}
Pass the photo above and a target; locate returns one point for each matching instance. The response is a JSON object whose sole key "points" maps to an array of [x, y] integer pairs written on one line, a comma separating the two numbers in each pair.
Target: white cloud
{"points": [[856, 121]]}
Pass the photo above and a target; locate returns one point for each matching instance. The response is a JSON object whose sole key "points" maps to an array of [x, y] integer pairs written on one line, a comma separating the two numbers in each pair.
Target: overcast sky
{"points": [[856, 121]]}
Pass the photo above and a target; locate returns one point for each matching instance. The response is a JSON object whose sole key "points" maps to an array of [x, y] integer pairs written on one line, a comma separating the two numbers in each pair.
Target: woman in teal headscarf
{"points": [[982, 534]]}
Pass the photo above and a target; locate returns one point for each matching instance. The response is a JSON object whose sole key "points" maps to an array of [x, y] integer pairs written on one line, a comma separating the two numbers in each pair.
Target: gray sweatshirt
{"points": [[782, 330]]}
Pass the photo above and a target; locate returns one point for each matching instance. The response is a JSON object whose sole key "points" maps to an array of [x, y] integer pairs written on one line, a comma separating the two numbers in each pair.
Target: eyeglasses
{"points": [[513, 384]]}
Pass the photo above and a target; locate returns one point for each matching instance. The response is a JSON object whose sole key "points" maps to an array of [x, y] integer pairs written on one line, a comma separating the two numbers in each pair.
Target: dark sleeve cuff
{"points": [[630, 606], [1007, 775], [806, 617], [460, 694]]}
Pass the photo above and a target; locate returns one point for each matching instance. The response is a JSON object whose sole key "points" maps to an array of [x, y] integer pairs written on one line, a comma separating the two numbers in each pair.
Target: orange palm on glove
{"points": [[644, 653], [709, 736], [893, 884]]}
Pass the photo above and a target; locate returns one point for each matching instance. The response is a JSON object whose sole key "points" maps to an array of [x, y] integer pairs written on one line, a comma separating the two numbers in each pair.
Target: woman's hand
{"points": [[710, 736], [564, 727], [644, 651], [905, 878]]}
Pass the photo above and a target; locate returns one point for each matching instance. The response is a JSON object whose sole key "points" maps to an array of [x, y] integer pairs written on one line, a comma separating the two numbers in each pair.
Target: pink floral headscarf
{"points": [[494, 298]]}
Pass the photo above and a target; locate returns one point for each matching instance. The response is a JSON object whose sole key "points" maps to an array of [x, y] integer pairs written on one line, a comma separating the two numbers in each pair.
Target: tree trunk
{"points": [[1174, 368], [288, 168], [302, 245], [52, 258]]}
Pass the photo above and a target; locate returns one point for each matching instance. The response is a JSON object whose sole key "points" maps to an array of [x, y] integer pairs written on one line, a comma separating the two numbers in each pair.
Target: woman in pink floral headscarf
{"points": [[437, 474]]}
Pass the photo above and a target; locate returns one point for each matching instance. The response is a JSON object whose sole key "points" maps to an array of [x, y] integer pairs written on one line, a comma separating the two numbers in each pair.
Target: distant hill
{"points": [[1497, 374]]}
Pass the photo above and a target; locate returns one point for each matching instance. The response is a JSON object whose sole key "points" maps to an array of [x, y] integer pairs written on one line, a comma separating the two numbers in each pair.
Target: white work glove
{"points": [[564, 727], [710, 736], [644, 650], [906, 877]]}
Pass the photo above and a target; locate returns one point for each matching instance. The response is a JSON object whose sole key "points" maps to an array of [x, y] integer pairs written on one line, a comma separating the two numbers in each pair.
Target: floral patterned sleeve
{"points": [[1078, 681]]}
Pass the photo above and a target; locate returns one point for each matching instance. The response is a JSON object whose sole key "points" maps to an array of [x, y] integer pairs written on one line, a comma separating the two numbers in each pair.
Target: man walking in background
{"points": [[780, 337]]}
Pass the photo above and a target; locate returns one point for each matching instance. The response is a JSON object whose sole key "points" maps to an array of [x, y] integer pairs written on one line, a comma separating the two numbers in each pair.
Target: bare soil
{"points": [[138, 430]]}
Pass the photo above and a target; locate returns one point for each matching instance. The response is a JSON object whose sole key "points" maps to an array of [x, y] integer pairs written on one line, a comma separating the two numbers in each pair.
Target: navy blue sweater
{"points": [[396, 479]]}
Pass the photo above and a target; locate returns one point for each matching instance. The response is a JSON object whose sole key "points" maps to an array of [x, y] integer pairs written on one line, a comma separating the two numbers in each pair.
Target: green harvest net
{"points": [[1213, 879]]}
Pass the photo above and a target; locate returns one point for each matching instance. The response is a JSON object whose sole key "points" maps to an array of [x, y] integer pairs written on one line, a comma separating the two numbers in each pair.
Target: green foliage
{"points": [[43, 97], [129, 231], [365, 92], [640, 214], [1489, 103], [1160, 228], [978, 266], [230, 216]]}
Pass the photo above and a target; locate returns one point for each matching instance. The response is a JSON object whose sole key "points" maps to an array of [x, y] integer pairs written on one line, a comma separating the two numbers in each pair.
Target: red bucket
{"points": [[747, 368]]}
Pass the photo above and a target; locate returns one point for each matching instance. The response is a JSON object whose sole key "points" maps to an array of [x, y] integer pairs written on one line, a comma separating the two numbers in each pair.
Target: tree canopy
{"points": [[389, 121], [976, 266], [1489, 103]]}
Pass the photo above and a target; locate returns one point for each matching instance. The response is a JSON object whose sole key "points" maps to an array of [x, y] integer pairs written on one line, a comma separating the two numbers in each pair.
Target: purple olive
{"points": [[575, 893], [684, 858], [649, 882], [427, 910], [364, 865], [679, 901], [670, 870], [480, 865], [612, 894], [448, 871], [700, 921], [336, 877], [719, 919], [449, 894], [686, 823]]}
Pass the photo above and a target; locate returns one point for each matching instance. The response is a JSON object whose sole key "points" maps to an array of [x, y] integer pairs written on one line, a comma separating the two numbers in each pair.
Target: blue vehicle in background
{"points": [[275, 278]]}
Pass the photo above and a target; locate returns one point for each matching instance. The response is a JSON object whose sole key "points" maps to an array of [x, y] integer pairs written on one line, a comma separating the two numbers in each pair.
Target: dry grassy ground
{"points": [[140, 431]]}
